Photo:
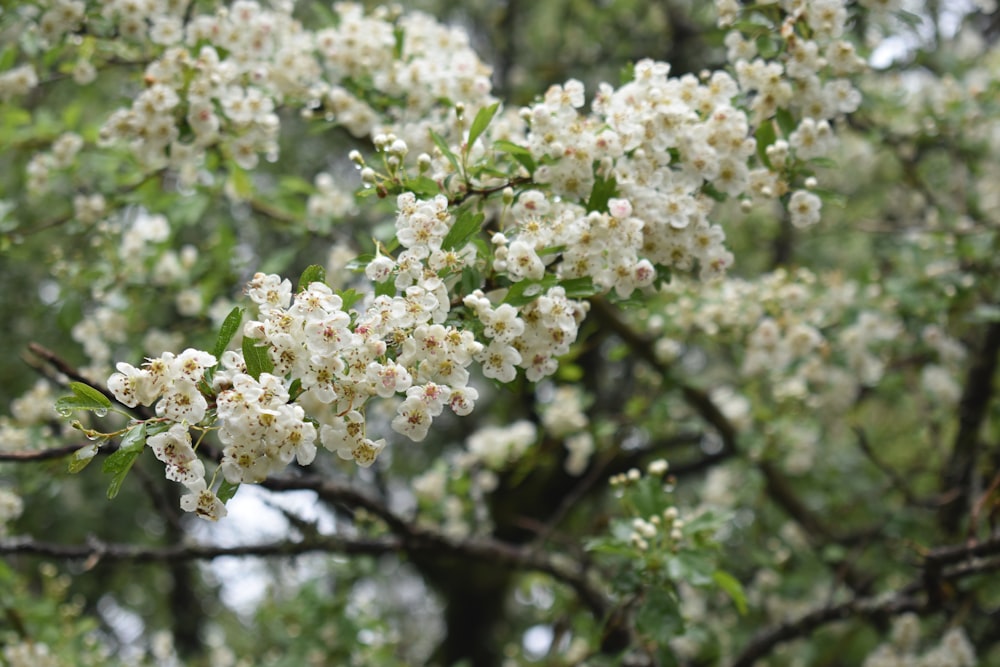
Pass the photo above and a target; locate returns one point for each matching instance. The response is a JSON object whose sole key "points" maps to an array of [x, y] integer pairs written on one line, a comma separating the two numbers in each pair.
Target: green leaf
{"points": [[385, 288], [732, 587], [785, 121], [479, 124], [82, 458], [519, 153], [229, 328], [526, 291], [119, 463], [84, 397], [712, 192], [257, 359], [349, 297], [445, 150], [227, 491], [765, 136], [423, 187], [579, 288], [824, 162], [694, 568], [467, 225], [314, 273], [603, 191], [660, 615], [240, 182]]}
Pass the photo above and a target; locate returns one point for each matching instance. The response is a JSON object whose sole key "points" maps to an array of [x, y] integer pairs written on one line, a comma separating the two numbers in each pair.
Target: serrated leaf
{"points": [[732, 587], [227, 491], [84, 397], [226, 332], [314, 273], [82, 458], [385, 288], [88, 393], [349, 297], [445, 150], [467, 225], [256, 357], [120, 463], [479, 124]]}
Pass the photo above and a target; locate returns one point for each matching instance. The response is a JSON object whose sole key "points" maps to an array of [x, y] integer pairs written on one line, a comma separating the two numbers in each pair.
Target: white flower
{"points": [[203, 502], [804, 208], [413, 419], [499, 361]]}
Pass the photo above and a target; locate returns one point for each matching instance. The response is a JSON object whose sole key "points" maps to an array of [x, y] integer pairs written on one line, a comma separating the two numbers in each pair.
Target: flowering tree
{"points": [[687, 368]]}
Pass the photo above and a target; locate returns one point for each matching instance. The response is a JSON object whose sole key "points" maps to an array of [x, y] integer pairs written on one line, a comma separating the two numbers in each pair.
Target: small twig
{"points": [[44, 454], [897, 481]]}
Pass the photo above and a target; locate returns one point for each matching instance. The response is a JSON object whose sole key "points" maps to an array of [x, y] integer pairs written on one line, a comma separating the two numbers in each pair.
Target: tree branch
{"points": [[976, 396], [96, 550], [43, 454], [966, 561]]}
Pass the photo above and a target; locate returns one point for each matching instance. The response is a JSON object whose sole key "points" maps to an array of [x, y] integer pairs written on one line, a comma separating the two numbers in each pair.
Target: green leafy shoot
{"points": [[119, 463]]}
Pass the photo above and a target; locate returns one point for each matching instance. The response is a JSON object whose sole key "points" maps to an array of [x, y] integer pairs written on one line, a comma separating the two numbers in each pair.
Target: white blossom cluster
{"points": [[903, 648], [564, 417], [11, 507], [817, 339], [661, 531], [222, 77]]}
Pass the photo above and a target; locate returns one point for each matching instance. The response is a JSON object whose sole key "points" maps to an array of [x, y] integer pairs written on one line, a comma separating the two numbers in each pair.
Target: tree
{"points": [[693, 367]]}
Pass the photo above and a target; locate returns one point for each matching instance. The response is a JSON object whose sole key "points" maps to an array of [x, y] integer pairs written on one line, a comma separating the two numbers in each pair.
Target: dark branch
{"points": [[96, 550], [966, 561], [976, 397]]}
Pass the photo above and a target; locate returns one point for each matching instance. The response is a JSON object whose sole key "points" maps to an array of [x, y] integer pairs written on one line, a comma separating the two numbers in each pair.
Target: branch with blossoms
{"points": [[605, 201]]}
